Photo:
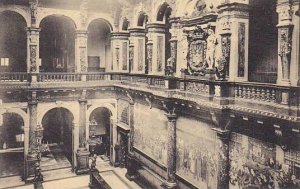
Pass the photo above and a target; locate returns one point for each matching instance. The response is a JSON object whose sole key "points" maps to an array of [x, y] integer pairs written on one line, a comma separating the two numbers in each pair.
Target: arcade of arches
{"points": [[176, 93]]}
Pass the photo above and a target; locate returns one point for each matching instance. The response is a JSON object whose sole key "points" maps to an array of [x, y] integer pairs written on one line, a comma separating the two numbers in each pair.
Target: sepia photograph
{"points": [[149, 94]]}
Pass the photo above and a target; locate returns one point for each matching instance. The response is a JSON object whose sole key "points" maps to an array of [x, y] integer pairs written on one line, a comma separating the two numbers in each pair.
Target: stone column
{"points": [[222, 149], [82, 154], [81, 65], [158, 38], [33, 61], [31, 158], [131, 162], [285, 44], [233, 26], [138, 40], [120, 52], [171, 158]]}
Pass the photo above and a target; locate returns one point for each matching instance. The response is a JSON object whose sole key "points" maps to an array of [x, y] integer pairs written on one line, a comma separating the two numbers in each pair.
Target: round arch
{"points": [[110, 107], [46, 109], [19, 112], [141, 19], [124, 24], [161, 11], [69, 17], [25, 15], [106, 20]]}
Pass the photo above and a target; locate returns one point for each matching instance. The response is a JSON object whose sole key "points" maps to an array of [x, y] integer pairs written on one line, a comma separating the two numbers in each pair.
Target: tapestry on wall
{"points": [[149, 133], [196, 155], [258, 164]]}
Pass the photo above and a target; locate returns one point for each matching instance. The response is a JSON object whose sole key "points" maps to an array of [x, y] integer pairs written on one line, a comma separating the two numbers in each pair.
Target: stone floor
{"points": [[57, 173]]}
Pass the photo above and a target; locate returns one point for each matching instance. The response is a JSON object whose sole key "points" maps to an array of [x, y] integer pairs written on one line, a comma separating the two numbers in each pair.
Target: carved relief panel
{"points": [[124, 56], [197, 51], [284, 51], [33, 57], [241, 49], [131, 57]]}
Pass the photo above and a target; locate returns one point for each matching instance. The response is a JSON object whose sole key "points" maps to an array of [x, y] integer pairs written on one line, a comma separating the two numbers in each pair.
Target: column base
{"points": [[169, 185], [82, 156], [132, 167]]}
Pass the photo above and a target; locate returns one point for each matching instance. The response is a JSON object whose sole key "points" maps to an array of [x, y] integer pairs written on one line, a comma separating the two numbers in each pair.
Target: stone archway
{"points": [[57, 44], [57, 139], [13, 48], [12, 144], [98, 45], [100, 128]]}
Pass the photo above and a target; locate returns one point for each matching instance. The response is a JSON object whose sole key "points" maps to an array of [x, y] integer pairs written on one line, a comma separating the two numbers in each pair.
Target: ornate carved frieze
{"points": [[285, 49], [241, 49], [171, 62], [33, 11], [140, 54], [223, 61], [83, 59], [160, 47], [124, 55], [149, 55], [83, 13], [117, 55], [33, 58], [131, 56]]}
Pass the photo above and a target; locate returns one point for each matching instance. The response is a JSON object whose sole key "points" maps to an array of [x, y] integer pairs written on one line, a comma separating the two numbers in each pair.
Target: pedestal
{"points": [[82, 156], [132, 167]]}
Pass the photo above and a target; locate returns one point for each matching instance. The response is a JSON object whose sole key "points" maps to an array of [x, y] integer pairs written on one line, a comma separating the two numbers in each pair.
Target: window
{"points": [[4, 62]]}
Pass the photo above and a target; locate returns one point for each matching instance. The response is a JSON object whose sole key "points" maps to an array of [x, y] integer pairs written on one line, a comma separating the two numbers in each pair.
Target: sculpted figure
{"points": [[211, 46], [285, 53]]}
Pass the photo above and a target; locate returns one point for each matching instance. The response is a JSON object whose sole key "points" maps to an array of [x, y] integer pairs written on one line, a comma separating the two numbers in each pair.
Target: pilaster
{"points": [[233, 26], [171, 65], [81, 65], [156, 34], [120, 52], [138, 40], [285, 43], [33, 61]]}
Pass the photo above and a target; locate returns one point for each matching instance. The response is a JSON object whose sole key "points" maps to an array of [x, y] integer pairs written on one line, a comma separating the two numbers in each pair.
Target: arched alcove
{"points": [[57, 135], [98, 45], [11, 144], [57, 44], [142, 19], [13, 42], [125, 24], [99, 123], [263, 41]]}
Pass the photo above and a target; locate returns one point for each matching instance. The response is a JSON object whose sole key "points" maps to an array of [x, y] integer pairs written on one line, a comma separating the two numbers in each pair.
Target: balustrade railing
{"points": [[257, 92], [14, 77], [58, 77], [185, 87]]}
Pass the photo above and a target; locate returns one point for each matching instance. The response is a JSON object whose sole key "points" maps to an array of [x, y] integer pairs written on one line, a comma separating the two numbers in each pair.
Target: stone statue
{"points": [[93, 164], [170, 67], [211, 46], [285, 52]]}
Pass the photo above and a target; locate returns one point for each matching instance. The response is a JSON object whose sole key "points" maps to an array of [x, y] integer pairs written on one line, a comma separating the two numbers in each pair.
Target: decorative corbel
{"points": [[131, 100], [222, 121], [148, 101], [169, 108]]}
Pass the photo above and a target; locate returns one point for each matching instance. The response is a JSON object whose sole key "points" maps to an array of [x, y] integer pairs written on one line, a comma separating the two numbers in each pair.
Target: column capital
{"points": [[171, 116], [119, 35], [156, 28], [137, 32], [222, 134], [82, 101], [81, 32]]}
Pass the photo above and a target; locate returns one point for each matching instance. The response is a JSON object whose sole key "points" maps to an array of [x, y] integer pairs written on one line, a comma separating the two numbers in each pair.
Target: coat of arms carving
{"points": [[196, 57]]}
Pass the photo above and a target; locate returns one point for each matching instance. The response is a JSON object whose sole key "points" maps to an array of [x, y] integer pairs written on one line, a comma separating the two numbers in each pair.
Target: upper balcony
{"points": [[271, 100]]}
